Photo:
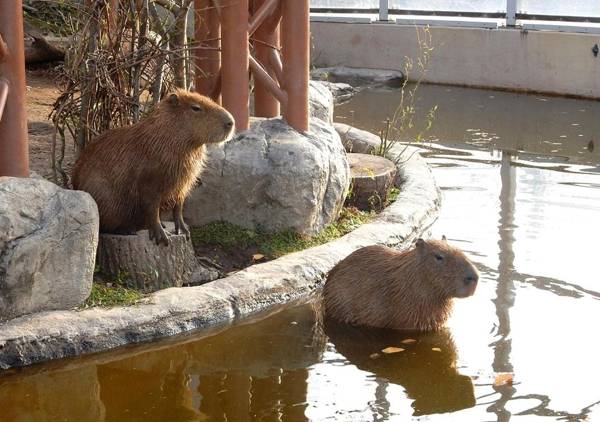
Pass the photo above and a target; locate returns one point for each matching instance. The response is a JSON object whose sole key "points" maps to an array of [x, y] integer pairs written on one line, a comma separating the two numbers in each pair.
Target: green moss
{"points": [[106, 296], [393, 195], [273, 245]]}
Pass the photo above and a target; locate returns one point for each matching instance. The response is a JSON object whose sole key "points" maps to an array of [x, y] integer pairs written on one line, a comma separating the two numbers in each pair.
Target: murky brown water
{"points": [[532, 232]]}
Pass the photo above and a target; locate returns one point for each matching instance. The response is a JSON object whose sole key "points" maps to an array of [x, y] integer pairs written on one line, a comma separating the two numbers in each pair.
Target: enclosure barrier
{"points": [[14, 156], [251, 43], [545, 16]]}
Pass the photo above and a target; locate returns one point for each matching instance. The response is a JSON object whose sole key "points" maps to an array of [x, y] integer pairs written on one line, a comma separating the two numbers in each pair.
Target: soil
{"points": [[42, 92], [229, 261]]}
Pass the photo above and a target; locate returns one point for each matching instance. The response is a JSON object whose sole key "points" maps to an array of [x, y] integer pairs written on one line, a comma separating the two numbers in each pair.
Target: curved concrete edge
{"points": [[59, 334]]}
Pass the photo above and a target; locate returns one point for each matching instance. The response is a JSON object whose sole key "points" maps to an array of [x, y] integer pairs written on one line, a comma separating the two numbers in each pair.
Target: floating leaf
{"points": [[408, 341], [257, 257], [436, 349], [374, 355], [504, 378], [393, 349]]}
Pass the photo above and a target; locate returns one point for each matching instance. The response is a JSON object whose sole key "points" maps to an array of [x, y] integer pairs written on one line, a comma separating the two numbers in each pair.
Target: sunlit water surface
{"points": [[521, 197]]}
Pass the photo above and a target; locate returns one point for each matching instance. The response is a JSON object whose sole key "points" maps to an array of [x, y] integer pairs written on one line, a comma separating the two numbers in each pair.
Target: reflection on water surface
{"points": [[531, 230]]}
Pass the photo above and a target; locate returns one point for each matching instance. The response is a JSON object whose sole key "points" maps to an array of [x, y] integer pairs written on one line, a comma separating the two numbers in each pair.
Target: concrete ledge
{"points": [[59, 334]]}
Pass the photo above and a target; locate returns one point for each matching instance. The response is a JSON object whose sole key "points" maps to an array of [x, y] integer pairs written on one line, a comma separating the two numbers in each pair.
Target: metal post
{"points": [[266, 39], [14, 154], [234, 56], [383, 10], [208, 60], [295, 37], [511, 12]]}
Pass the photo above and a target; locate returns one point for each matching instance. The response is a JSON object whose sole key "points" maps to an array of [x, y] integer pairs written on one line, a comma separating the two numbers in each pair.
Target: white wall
{"points": [[540, 61]]}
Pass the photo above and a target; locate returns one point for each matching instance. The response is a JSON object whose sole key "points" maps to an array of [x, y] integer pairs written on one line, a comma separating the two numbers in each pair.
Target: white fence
{"points": [[558, 15]]}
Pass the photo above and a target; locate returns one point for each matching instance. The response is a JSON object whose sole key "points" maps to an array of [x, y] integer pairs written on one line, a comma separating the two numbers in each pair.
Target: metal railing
{"points": [[508, 17]]}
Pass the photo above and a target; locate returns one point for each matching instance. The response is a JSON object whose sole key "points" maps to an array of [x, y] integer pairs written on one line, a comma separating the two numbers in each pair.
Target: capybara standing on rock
{"points": [[134, 171], [380, 287]]}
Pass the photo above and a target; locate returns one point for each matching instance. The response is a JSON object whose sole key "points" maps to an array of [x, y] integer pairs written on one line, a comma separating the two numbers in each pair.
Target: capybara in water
{"points": [[134, 171], [413, 289]]}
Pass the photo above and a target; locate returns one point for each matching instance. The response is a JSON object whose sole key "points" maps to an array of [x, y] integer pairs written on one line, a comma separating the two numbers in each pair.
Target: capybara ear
{"points": [[444, 238], [420, 242], [173, 98]]}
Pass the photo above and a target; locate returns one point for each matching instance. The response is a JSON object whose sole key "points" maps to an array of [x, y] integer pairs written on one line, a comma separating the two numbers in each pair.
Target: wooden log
{"points": [[372, 178], [143, 264]]}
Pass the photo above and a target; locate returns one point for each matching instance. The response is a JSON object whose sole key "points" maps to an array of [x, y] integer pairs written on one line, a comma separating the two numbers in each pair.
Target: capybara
{"points": [[134, 171], [412, 290]]}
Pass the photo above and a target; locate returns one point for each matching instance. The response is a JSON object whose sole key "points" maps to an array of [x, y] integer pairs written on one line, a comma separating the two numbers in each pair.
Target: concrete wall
{"points": [[541, 61]]}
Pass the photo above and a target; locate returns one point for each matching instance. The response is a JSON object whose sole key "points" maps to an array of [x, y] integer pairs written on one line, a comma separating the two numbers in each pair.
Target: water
{"points": [[521, 200]]}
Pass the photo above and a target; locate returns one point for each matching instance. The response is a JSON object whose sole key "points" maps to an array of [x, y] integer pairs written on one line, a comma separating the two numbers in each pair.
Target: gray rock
{"points": [[359, 77], [341, 92], [273, 178], [320, 101], [48, 239], [357, 140], [203, 274]]}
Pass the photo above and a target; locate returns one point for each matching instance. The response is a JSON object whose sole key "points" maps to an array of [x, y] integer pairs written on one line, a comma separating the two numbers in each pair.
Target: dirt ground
{"points": [[42, 91]]}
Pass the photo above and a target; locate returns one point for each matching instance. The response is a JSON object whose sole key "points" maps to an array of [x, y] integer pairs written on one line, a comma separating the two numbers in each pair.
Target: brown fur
{"points": [[413, 289], [133, 171]]}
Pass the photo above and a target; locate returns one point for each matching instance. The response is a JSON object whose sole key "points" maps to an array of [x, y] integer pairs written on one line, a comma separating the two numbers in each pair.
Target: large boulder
{"points": [[273, 178], [48, 240], [321, 103]]}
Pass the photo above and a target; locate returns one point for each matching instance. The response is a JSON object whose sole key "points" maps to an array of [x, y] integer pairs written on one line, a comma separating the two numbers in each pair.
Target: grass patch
{"points": [[107, 296], [392, 196], [273, 245]]}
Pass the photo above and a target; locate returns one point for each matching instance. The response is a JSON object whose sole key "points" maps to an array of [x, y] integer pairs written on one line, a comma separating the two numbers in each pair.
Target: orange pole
{"points": [[261, 76], [14, 154], [234, 56], [267, 38], [208, 60], [295, 37]]}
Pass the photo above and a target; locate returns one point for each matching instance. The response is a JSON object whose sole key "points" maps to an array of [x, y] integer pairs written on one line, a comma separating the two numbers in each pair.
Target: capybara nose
{"points": [[471, 278], [229, 124]]}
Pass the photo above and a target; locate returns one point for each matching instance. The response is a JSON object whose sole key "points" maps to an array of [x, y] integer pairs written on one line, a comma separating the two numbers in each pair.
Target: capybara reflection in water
{"points": [[413, 289], [426, 369], [134, 171]]}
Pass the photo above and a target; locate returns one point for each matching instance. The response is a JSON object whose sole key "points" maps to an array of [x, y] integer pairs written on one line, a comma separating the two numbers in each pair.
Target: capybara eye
{"points": [[439, 257], [196, 107]]}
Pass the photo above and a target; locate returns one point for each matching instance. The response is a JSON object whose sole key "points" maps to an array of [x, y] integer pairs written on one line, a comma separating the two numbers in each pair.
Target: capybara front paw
{"points": [[182, 228], [158, 234]]}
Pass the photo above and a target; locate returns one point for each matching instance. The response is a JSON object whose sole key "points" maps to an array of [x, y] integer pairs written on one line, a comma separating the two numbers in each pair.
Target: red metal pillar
{"points": [[14, 154], [208, 60], [295, 37], [234, 56], [266, 39]]}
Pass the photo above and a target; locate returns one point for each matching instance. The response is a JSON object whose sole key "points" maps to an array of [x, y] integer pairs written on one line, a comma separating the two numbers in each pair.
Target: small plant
{"points": [[107, 295], [404, 116]]}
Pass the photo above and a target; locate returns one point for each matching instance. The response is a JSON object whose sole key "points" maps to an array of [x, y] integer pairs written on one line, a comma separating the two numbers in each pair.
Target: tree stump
{"points": [[372, 179], [144, 265]]}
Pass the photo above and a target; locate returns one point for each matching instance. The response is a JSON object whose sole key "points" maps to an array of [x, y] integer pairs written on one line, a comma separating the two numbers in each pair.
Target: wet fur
{"points": [[380, 287], [133, 171]]}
